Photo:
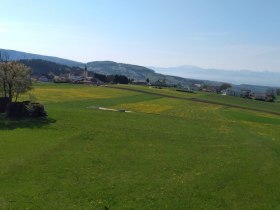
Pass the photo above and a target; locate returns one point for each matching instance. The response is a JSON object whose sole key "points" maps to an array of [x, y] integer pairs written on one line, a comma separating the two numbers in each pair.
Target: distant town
{"points": [[91, 78]]}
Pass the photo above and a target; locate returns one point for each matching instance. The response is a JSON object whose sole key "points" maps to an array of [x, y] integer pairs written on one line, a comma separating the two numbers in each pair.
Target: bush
{"points": [[3, 104], [186, 91], [36, 110], [16, 110], [25, 109]]}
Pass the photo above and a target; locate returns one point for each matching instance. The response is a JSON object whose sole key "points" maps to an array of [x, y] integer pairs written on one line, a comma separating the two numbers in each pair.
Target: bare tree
{"points": [[15, 78]]}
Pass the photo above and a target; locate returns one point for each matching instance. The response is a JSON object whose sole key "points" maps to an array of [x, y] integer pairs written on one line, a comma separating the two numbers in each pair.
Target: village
{"points": [[91, 78], [77, 77], [268, 95]]}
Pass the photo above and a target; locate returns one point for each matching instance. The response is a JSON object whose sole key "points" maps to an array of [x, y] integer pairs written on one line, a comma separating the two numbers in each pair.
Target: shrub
{"points": [[25, 109], [36, 110], [186, 91], [3, 104], [16, 110]]}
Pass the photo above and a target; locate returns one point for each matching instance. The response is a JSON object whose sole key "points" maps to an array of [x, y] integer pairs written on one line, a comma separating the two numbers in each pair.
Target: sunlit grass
{"points": [[64, 92], [166, 154]]}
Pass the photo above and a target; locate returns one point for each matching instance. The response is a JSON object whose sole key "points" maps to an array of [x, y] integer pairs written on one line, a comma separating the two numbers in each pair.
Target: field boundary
{"points": [[198, 100]]}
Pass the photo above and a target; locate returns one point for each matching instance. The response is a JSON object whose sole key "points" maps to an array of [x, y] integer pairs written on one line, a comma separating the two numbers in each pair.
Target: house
{"points": [[43, 79], [74, 77], [212, 89], [184, 87], [158, 83], [260, 96], [196, 87], [246, 93], [96, 81], [199, 86], [231, 92]]}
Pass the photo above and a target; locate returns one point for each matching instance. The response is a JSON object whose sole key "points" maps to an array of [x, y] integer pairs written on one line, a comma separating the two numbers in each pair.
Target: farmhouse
{"points": [[74, 77], [212, 89], [260, 96], [196, 87], [158, 83], [246, 93], [43, 79], [96, 81], [231, 92]]}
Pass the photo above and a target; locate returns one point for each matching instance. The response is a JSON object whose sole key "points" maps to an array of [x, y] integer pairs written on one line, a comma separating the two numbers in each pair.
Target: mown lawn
{"points": [[165, 154]]}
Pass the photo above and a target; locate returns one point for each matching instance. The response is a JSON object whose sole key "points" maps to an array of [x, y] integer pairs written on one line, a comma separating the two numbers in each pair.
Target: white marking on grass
{"points": [[108, 109]]}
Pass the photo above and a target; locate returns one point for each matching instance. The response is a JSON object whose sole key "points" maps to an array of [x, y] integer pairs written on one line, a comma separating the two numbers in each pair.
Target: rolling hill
{"points": [[17, 55], [137, 72], [103, 67], [174, 75], [43, 67]]}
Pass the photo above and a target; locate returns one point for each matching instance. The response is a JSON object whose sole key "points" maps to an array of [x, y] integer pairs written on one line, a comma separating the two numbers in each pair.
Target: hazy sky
{"points": [[229, 34]]}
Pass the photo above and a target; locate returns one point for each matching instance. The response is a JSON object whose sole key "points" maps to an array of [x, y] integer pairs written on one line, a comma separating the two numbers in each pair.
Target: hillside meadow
{"points": [[165, 154]]}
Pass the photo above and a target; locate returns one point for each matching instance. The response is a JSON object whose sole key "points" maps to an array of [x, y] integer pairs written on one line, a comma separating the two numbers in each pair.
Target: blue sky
{"points": [[227, 34]]}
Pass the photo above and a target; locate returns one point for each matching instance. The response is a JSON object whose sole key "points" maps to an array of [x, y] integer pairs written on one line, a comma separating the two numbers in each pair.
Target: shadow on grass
{"points": [[11, 124]]}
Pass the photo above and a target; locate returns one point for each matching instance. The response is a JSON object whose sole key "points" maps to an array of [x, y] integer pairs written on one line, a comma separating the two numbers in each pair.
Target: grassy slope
{"points": [[244, 102], [266, 106], [167, 154]]}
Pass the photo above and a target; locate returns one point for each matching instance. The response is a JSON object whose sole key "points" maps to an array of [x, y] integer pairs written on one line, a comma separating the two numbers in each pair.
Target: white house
{"points": [[231, 92], [43, 79]]}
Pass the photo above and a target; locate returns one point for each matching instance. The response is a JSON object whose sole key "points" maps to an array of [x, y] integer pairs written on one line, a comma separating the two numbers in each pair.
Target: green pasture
{"points": [[165, 154], [211, 97], [165, 90], [243, 102]]}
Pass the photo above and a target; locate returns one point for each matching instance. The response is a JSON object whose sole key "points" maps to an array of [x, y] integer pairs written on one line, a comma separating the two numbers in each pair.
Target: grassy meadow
{"points": [[165, 154]]}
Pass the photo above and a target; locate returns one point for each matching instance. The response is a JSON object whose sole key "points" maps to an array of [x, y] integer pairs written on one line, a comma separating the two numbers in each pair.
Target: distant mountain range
{"points": [[173, 75], [238, 77]]}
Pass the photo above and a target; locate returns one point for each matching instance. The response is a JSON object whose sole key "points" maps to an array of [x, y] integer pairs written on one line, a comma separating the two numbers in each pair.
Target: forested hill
{"points": [[136, 72], [110, 67], [42, 67]]}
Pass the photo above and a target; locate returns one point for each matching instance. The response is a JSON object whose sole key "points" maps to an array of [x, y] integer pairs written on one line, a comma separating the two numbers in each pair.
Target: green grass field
{"points": [[212, 97], [166, 154]]}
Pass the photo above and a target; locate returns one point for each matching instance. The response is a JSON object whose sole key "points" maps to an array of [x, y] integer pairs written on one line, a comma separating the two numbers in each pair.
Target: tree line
{"points": [[115, 79]]}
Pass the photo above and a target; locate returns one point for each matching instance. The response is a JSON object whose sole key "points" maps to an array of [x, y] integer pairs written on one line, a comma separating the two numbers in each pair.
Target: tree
{"points": [[278, 92], [148, 80], [163, 82], [271, 94], [225, 86], [15, 78], [120, 79]]}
